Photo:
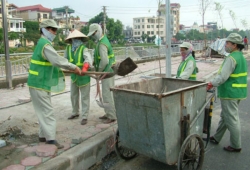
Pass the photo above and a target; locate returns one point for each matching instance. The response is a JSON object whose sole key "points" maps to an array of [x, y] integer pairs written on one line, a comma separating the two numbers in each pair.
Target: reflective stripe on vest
{"points": [[33, 72], [79, 56], [43, 63], [239, 75], [239, 85], [110, 56], [192, 75]]}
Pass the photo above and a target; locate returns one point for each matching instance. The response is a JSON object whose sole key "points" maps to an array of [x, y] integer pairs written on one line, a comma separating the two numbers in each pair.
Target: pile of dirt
{"points": [[18, 131]]}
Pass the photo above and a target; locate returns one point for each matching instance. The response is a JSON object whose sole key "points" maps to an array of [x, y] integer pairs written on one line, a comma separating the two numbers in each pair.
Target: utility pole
{"points": [[168, 39], [67, 24], [104, 19], [157, 38], [6, 45]]}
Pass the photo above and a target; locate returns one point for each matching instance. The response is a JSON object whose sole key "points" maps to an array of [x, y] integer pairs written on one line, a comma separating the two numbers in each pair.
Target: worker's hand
{"points": [[209, 86], [77, 71], [85, 68]]}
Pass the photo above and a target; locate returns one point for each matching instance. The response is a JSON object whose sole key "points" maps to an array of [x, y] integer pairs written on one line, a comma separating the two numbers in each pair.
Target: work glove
{"points": [[209, 86], [85, 68]]}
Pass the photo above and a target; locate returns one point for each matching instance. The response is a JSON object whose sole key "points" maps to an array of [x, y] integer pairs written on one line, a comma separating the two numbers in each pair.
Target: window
{"points": [[157, 32], [139, 33], [161, 26], [45, 16], [148, 26], [135, 26], [17, 25], [138, 20], [142, 32], [11, 25], [142, 20], [152, 32], [135, 33], [152, 26], [157, 26], [161, 32], [148, 32], [142, 26], [148, 20], [138, 26]]}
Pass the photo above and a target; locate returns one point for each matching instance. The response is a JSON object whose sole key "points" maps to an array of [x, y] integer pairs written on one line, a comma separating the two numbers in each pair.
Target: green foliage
{"points": [[32, 31], [13, 35], [196, 35], [114, 28]]}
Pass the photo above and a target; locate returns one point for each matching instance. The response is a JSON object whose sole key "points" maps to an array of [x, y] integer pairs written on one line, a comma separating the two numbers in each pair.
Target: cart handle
{"points": [[201, 111]]}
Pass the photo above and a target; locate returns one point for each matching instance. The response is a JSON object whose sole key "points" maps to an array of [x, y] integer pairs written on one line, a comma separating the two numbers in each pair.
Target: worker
{"points": [[45, 77], [187, 68], [79, 55], [231, 81], [103, 60]]}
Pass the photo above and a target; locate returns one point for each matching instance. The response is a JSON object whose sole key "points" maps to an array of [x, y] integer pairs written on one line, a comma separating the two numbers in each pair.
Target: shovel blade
{"points": [[103, 105], [126, 67]]}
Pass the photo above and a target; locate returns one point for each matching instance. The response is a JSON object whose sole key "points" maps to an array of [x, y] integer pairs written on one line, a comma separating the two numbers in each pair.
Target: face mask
{"points": [[75, 44], [97, 35], [48, 34], [228, 49]]}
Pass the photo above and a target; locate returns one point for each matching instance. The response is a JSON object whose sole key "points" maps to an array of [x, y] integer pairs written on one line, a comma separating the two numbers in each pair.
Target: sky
{"points": [[126, 10]]}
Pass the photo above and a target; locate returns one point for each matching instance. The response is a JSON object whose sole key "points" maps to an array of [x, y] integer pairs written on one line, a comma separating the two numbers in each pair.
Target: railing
{"points": [[20, 61]]}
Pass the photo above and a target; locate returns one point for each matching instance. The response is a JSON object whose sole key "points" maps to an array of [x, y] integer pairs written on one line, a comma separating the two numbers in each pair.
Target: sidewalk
{"points": [[97, 139]]}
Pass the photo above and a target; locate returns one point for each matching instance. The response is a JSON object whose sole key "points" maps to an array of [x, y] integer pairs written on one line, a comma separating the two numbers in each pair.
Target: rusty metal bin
{"points": [[149, 115]]}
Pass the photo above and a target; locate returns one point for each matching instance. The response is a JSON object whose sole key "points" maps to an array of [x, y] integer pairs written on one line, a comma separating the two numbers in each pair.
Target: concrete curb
{"points": [[84, 155]]}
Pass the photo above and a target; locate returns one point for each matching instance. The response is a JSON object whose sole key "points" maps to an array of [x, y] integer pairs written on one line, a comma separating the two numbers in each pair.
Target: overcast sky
{"points": [[126, 10]]}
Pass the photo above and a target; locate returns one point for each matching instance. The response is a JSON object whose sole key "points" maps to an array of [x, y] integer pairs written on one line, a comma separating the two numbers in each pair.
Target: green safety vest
{"points": [[42, 75], [235, 87], [97, 58], [76, 57], [182, 67]]}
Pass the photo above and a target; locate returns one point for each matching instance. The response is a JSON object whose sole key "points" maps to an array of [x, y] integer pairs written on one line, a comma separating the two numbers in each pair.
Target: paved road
{"points": [[215, 158]]}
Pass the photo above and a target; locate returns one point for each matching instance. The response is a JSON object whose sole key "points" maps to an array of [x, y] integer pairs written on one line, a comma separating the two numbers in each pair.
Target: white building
{"points": [[151, 26]]}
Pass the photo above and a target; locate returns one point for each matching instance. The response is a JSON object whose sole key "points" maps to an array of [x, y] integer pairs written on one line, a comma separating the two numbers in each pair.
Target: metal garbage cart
{"points": [[161, 118]]}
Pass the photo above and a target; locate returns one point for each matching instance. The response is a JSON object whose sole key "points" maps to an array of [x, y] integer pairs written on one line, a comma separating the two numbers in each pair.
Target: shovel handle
{"points": [[88, 72]]}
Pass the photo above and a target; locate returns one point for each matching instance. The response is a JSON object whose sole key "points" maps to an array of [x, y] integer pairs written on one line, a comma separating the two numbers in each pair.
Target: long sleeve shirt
{"points": [[227, 69], [187, 72], [55, 59], [103, 51]]}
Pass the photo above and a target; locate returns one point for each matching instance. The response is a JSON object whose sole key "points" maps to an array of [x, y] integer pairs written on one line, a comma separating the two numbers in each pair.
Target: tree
{"points": [[204, 4], [32, 31], [219, 8], [244, 23], [232, 15], [114, 28], [144, 37], [13, 35], [180, 36]]}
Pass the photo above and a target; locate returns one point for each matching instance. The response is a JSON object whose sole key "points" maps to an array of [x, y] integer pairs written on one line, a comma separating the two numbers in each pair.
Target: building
{"points": [[175, 16], [128, 33], [157, 25], [149, 26], [15, 24], [34, 13], [63, 18]]}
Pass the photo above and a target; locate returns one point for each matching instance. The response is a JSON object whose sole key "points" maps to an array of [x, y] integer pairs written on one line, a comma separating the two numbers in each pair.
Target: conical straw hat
{"points": [[76, 34]]}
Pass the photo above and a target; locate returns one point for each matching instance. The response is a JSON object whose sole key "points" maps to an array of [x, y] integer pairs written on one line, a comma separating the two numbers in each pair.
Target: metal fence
{"points": [[20, 61]]}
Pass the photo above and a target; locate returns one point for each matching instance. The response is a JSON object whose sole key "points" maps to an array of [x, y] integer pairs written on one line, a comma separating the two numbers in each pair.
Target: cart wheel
{"points": [[192, 153], [121, 151]]}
